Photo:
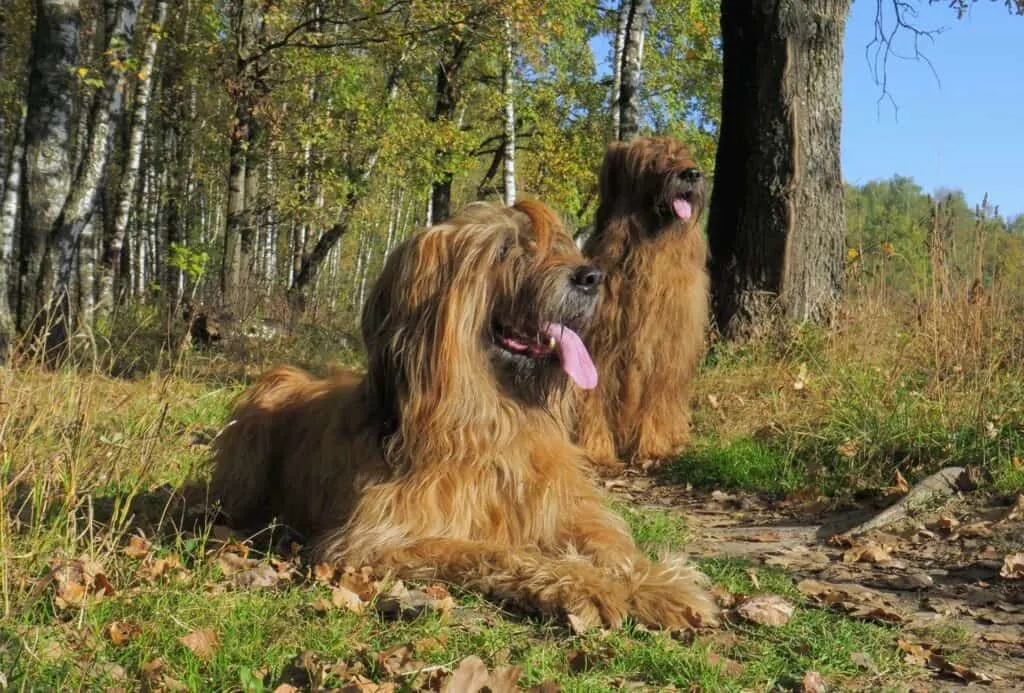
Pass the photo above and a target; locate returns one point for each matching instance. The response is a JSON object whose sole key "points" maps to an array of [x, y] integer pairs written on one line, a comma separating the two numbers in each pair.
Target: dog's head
{"points": [[479, 311], [657, 177]]}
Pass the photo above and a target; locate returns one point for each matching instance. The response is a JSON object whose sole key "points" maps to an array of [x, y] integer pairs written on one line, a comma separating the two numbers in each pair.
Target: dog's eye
{"points": [[505, 249]]}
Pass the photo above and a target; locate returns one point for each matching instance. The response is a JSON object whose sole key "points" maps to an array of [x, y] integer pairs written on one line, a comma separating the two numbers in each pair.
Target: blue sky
{"points": [[965, 130]]}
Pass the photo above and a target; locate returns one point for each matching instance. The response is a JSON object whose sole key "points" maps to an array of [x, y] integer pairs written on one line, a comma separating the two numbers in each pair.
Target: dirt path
{"points": [[935, 570]]}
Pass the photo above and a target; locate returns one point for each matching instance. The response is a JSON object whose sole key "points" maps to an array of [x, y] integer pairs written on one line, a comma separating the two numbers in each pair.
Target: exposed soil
{"points": [[936, 568]]}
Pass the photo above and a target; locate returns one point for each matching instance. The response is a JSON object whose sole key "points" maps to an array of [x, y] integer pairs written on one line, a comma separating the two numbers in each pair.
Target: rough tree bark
{"points": [[446, 98], [637, 13], [50, 102], [62, 244], [777, 218], [130, 174], [247, 24]]}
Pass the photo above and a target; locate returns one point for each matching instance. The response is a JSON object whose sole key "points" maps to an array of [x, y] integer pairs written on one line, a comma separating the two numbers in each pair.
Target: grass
{"points": [[88, 460]]}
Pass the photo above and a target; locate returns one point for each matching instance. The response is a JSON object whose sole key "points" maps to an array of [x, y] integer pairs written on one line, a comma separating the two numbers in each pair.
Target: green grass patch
{"points": [[742, 464]]}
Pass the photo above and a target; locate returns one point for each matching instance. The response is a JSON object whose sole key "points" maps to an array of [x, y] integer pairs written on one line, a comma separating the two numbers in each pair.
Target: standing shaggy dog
{"points": [[649, 331], [451, 459]]}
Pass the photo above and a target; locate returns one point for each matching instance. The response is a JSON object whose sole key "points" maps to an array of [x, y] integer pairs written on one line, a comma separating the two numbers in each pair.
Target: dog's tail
{"points": [[247, 450]]}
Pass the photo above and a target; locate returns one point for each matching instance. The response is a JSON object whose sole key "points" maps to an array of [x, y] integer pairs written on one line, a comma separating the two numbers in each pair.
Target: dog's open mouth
{"points": [[552, 341]]}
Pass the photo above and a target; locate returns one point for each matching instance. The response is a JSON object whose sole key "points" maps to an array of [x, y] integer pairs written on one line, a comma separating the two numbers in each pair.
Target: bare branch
{"points": [[881, 47]]}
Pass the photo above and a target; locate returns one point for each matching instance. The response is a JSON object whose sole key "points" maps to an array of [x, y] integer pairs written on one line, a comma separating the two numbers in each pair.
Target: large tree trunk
{"points": [[777, 221], [637, 14], [8, 223], [50, 103], [62, 244], [446, 96], [130, 175], [247, 24]]}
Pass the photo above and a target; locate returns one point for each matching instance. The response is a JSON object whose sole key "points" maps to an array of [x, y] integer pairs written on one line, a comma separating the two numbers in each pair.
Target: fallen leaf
{"points": [[152, 569], [730, 667], [900, 488], [766, 609], [201, 642], [854, 600], [470, 676], [1002, 636], [345, 598], [323, 572], [948, 522], [155, 676], [864, 661], [848, 449], [398, 660], [361, 582], [866, 552], [137, 547], [121, 632], [813, 682], [915, 653], [1016, 511], [77, 582], [1013, 567], [431, 644]]}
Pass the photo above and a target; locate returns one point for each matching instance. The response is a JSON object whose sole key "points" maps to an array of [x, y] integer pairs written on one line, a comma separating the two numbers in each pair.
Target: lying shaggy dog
{"points": [[451, 459]]}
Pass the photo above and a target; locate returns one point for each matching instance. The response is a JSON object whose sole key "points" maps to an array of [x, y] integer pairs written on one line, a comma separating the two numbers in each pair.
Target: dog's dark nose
{"points": [[587, 279], [691, 175]]}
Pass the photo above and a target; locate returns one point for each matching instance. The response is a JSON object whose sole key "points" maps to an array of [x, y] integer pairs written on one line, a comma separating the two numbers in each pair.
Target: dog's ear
{"points": [[544, 221], [614, 170]]}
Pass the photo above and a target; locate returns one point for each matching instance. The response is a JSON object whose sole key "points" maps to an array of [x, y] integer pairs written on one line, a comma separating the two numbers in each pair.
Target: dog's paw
{"points": [[673, 596], [588, 607]]}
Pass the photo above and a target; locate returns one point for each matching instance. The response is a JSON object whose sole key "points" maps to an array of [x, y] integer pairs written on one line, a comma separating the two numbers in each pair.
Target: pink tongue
{"points": [[573, 354], [682, 208]]}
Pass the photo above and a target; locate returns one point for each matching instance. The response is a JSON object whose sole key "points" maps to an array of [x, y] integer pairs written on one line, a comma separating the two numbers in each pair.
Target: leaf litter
{"points": [[940, 552]]}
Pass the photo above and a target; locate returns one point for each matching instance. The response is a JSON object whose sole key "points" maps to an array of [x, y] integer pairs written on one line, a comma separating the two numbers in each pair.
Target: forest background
{"points": [[263, 157]]}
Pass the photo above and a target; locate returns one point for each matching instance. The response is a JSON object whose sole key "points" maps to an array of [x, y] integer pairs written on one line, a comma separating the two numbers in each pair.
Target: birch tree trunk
{"points": [[777, 219], [8, 223], [126, 191], [78, 209], [50, 103], [509, 155], [632, 56], [620, 44]]}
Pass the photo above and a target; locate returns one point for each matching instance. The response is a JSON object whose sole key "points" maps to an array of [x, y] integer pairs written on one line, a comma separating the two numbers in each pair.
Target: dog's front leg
{"points": [[553, 585], [665, 594]]}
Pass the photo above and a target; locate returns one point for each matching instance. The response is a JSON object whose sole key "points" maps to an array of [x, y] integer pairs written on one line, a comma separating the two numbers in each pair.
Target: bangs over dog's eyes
{"points": [[505, 248]]}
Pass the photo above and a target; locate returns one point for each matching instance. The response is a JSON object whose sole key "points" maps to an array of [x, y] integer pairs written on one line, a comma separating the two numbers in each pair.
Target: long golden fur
{"points": [[650, 330], [451, 459]]}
